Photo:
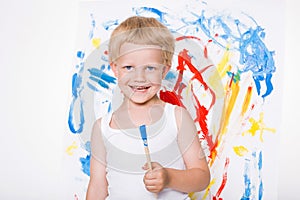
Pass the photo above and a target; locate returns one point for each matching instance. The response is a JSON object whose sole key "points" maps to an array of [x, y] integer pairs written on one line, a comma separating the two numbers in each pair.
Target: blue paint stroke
{"points": [[101, 78], [149, 10], [70, 120], [170, 76], [109, 107], [235, 77], [110, 24], [247, 40], [80, 54], [85, 161], [92, 87], [247, 181], [261, 188], [256, 58], [93, 23], [76, 90], [102, 75]]}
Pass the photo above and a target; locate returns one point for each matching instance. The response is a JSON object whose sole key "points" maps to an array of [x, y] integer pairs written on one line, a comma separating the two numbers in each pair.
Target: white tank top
{"points": [[125, 157]]}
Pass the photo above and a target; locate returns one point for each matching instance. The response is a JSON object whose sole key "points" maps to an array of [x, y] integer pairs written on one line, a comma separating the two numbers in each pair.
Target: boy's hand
{"points": [[157, 179]]}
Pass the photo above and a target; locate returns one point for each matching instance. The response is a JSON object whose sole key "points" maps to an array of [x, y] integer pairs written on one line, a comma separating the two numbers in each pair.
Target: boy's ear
{"points": [[114, 68]]}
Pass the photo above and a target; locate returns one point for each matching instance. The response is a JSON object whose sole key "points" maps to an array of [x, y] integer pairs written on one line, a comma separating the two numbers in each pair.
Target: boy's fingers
{"points": [[150, 175], [145, 167]]}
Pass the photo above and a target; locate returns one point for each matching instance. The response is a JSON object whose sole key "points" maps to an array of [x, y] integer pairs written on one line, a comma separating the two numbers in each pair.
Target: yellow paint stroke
{"points": [[246, 100], [258, 126], [213, 181], [232, 90], [70, 148], [220, 73], [240, 150], [193, 196], [235, 89], [223, 66], [96, 42]]}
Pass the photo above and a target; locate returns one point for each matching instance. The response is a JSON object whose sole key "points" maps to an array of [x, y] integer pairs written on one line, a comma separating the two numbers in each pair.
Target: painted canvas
{"points": [[227, 72]]}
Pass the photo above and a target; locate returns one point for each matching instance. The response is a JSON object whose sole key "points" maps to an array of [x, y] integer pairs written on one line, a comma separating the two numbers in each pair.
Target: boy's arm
{"points": [[97, 187], [196, 176]]}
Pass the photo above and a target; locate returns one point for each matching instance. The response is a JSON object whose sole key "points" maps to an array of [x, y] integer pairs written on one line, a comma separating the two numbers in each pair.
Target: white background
{"points": [[37, 46]]}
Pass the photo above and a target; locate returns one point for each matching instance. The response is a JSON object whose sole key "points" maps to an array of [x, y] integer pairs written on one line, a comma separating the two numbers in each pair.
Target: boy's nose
{"points": [[140, 75]]}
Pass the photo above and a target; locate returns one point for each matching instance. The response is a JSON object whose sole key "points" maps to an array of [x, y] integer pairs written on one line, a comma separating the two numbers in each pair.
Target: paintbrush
{"points": [[143, 133], [146, 148]]}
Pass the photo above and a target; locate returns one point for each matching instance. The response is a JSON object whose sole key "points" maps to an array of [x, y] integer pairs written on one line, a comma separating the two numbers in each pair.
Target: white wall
{"points": [[37, 45]]}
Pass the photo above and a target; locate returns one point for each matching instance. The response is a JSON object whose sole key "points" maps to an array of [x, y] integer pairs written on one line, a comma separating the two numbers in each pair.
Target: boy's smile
{"points": [[140, 71]]}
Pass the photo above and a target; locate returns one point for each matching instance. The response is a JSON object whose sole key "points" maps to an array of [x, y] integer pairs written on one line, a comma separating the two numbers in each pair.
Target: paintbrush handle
{"points": [[147, 153], [148, 157]]}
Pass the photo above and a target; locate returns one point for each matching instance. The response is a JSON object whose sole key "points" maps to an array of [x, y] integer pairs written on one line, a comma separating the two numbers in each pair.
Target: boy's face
{"points": [[140, 71]]}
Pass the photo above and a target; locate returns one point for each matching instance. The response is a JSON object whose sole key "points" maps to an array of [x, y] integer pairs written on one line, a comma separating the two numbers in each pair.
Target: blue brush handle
{"points": [[144, 134]]}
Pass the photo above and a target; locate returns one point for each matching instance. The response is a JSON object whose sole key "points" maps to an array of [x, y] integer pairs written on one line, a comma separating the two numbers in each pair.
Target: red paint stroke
{"points": [[231, 80], [171, 97], [196, 38], [201, 113], [224, 181], [175, 97]]}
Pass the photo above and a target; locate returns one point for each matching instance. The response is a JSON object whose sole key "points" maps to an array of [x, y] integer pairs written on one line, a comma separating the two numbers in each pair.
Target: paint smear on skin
{"points": [[224, 181], [240, 150], [70, 148], [258, 126]]}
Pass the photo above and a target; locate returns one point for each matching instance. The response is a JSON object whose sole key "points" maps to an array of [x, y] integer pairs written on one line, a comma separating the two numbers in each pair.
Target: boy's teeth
{"points": [[140, 87]]}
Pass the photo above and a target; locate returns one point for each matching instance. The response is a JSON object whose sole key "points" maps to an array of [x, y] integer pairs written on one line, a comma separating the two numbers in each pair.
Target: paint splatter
{"points": [[224, 180], [258, 126], [70, 149], [240, 150], [85, 161]]}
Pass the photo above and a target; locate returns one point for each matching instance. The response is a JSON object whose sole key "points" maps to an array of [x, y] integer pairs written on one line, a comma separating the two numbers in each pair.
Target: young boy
{"points": [[140, 54]]}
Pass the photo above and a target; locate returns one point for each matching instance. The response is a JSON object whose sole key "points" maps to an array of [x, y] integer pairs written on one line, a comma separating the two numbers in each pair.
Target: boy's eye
{"points": [[128, 68], [150, 68]]}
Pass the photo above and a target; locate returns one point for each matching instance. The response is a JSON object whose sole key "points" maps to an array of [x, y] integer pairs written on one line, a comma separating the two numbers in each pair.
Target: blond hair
{"points": [[142, 31]]}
